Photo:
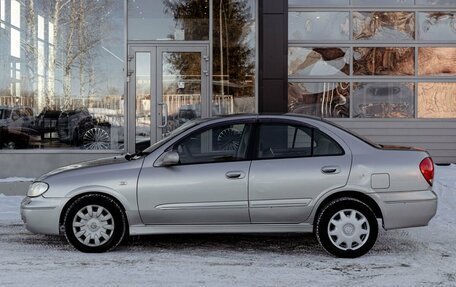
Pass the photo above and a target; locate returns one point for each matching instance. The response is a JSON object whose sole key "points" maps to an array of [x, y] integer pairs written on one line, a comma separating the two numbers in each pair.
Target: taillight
{"points": [[427, 169]]}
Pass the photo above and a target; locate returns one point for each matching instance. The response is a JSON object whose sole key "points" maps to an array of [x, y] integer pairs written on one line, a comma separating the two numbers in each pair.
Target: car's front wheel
{"points": [[347, 227], [95, 223]]}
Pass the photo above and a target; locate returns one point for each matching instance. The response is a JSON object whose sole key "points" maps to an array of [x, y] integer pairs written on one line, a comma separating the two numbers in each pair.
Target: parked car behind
{"points": [[240, 174], [75, 127], [16, 127], [80, 128]]}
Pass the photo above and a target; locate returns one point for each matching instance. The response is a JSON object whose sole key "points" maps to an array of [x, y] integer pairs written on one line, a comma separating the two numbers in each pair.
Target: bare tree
{"points": [[83, 33]]}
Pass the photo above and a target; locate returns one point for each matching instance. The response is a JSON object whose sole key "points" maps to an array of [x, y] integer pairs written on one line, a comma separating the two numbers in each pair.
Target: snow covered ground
{"points": [[413, 257]]}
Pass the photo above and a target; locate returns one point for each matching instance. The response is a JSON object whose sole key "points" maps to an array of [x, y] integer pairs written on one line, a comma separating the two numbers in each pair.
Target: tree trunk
{"points": [[69, 57]]}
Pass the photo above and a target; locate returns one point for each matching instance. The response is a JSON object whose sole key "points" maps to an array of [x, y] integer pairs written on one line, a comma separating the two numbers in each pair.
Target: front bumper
{"points": [[41, 215], [407, 209]]}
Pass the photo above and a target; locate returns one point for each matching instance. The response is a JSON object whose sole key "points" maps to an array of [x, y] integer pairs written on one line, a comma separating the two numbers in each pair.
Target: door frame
{"points": [[156, 50]]}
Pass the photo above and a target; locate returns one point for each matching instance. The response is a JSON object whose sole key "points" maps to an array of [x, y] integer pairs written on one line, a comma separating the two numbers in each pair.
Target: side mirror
{"points": [[169, 158]]}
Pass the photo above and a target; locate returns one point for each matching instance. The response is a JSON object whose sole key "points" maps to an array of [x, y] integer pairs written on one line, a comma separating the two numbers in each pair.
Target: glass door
{"points": [[182, 87], [168, 87]]}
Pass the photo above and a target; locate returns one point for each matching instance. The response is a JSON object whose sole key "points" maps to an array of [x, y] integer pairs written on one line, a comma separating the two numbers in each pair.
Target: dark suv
{"points": [[76, 127], [16, 127], [80, 128]]}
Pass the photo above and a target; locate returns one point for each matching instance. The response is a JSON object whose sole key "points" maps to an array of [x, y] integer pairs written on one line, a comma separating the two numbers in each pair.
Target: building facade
{"points": [[86, 79]]}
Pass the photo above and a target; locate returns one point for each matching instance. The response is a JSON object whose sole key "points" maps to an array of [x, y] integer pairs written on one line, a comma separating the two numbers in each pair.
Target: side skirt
{"points": [[241, 228]]}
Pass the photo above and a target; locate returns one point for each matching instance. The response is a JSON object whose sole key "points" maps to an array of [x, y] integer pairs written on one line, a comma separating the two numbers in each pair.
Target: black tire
{"points": [[118, 223], [332, 213]]}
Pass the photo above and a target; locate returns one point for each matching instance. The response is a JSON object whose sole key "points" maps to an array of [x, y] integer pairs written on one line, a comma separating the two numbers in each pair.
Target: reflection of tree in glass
{"points": [[437, 61], [329, 100], [434, 18], [318, 61], [76, 29], [436, 100], [232, 56], [383, 25], [186, 67], [190, 15], [383, 61]]}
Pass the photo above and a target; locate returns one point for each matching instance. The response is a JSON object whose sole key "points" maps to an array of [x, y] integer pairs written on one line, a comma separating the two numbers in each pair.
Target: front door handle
{"points": [[330, 169], [235, 174]]}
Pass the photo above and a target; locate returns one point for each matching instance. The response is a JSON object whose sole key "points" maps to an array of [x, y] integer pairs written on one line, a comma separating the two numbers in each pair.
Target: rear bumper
{"points": [[41, 215], [408, 209]]}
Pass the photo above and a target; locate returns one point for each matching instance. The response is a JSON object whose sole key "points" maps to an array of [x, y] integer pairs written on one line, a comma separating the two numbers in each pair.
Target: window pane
{"points": [[383, 26], [437, 26], [287, 141], [225, 143], [383, 61], [143, 93], [282, 141], [436, 100], [329, 99], [233, 57], [301, 138], [318, 26], [435, 2], [383, 100], [318, 2], [318, 61], [324, 145], [71, 83], [181, 84], [383, 3], [439, 61], [168, 20]]}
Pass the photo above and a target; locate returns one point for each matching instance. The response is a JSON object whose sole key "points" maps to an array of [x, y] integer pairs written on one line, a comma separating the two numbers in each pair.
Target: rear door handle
{"points": [[330, 169], [235, 174]]}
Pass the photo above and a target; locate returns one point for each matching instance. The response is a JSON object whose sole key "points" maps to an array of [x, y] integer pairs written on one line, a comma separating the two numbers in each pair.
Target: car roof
{"points": [[263, 116]]}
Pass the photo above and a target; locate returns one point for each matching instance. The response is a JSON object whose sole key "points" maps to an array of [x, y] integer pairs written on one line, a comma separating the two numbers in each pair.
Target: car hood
{"points": [[84, 165]]}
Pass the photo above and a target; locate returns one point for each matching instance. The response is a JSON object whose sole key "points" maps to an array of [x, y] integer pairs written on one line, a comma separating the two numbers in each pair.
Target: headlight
{"points": [[37, 189]]}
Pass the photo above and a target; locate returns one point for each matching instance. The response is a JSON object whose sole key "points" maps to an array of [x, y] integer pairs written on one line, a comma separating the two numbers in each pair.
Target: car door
{"points": [[294, 163], [208, 186]]}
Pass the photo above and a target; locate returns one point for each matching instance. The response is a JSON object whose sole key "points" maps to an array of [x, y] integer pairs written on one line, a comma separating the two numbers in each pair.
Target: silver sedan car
{"points": [[240, 174]]}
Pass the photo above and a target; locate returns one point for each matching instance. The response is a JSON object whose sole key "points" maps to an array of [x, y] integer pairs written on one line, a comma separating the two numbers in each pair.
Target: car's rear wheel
{"points": [[347, 227], [95, 223]]}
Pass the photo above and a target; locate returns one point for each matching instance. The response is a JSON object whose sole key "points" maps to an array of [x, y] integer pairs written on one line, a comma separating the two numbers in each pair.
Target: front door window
{"points": [[217, 144]]}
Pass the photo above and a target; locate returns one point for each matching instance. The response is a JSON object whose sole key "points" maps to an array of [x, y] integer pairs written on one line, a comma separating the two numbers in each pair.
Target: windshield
{"points": [[174, 133]]}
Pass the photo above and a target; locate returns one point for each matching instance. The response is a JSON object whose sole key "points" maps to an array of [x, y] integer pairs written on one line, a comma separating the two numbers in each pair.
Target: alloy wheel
{"points": [[96, 139]]}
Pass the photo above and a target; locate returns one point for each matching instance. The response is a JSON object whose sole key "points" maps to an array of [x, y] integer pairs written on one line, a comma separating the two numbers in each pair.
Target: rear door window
{"points": [[289, 141]]}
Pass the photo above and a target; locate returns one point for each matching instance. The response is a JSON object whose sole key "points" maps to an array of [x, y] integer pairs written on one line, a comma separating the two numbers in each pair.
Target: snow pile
{"points": [[16, 179], [445, 187], [9, 208]]}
